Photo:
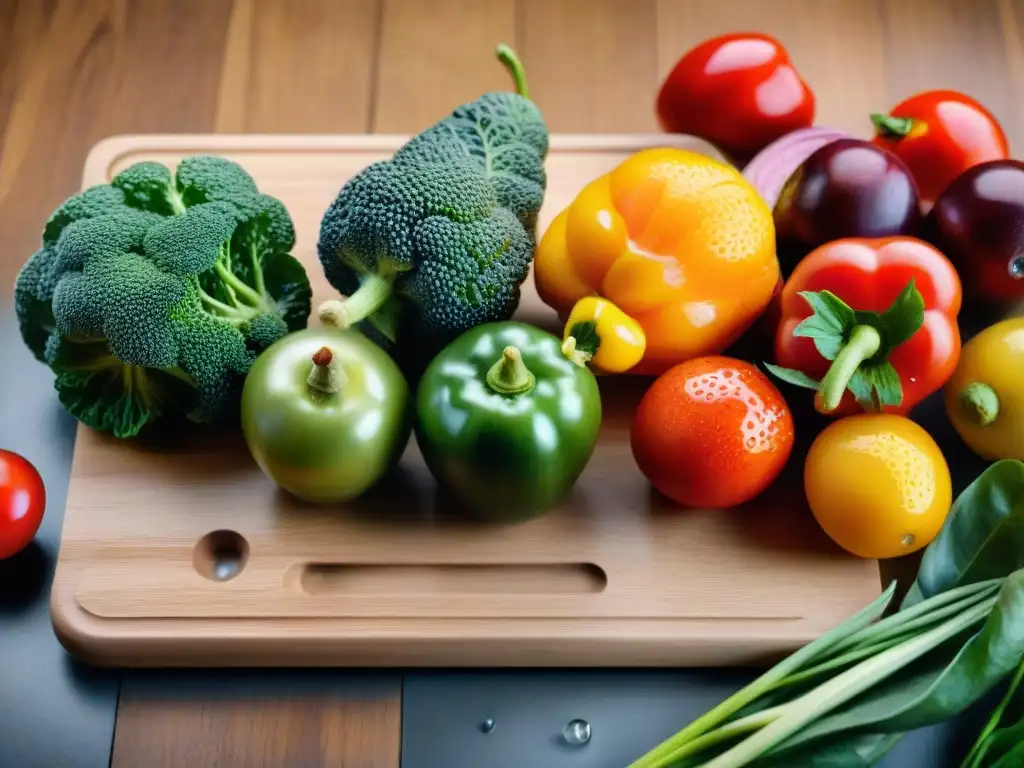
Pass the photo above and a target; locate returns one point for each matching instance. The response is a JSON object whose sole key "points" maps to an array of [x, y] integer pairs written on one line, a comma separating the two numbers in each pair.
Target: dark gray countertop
{"points": [[55, 713]]}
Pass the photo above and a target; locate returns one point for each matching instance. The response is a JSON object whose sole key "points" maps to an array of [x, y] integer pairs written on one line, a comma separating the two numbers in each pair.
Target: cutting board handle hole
{"points": [[220, 555], [408, 579]]}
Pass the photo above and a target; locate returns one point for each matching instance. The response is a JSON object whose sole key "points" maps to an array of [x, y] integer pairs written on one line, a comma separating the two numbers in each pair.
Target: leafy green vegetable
{"points": [[944, 683], [440, 237], [982, 537], [152, 295], [995, 741], [845, 700]]}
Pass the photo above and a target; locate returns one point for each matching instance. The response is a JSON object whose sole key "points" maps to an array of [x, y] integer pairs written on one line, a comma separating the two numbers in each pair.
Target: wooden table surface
{"points": [[74, 71]]}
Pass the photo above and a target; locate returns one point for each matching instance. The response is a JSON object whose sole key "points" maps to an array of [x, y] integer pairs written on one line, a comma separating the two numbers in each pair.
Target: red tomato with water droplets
{"points": [[712, 432]]}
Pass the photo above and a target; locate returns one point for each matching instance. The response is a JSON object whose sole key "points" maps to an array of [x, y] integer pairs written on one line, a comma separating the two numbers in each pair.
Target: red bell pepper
{"points": [[739, 92], [870, 324]]}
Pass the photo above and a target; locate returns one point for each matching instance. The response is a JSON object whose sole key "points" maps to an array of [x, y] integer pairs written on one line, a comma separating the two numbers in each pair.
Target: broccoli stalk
{"points": [[152, 296], [439, 238]]}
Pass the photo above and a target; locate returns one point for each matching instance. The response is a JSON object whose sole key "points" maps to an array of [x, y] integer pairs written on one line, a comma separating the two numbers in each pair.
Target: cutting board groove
{"points": [[616, 576]]}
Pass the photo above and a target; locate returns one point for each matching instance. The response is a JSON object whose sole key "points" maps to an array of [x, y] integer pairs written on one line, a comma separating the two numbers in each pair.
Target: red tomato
{"points": [[712, 432], [22, 501], [939, 135], [738, 91]]}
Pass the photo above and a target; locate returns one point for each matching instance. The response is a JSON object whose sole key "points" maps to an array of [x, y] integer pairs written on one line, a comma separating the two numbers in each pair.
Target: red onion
{"points": [[774, 164]]}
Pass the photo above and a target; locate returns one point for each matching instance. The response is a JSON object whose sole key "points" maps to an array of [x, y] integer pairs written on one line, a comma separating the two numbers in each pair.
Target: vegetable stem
{"points": [[257, 271], [326, 375], [892, 126], [980, 403], [864, 342], [226, 310], [977, 753], [230, 280], [373, 292], [928, 612], [510, 376], [792, 663], [508, 57], [729, 730], [175, 201], [846, 686]]}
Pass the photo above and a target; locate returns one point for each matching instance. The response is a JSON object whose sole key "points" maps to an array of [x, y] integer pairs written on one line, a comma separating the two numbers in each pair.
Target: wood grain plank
{"points": [[85, 70], [435, 55], [949, 44], [275, 722], [1011, 22], [836, 46], [591, 64], [298, 66]]}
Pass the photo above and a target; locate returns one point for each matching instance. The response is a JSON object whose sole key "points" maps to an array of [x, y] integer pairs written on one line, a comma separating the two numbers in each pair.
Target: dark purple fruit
{"points": [[978, 222], [847, 188]]}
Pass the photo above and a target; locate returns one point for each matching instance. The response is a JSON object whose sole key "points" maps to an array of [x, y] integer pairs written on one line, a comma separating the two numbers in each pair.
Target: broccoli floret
{"points": [[154, 294], [439, 237]]}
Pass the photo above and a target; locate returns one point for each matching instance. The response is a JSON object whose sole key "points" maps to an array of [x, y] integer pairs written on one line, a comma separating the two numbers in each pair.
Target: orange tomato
{"points": [[878, 485], [712, 432]]}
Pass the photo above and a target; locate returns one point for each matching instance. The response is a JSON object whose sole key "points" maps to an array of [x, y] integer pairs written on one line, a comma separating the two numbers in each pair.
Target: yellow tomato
{"points": [[878, 485], [985, 395]]}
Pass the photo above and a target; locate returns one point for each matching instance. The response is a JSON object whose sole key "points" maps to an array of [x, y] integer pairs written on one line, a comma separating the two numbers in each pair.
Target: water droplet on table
{"points": [[487, 726], [576, 732]]}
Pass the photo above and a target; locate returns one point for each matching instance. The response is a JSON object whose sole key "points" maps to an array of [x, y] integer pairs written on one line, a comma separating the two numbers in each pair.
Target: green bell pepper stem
{"points": [[325, 376], [864, 342], [510, 376], [980, 403]]}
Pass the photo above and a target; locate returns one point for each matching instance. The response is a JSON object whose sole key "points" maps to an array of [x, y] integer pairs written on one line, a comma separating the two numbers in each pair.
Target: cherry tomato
{"points": [[712, 432], [740, 92], [22, 501], [878, 485], [939, 135]]}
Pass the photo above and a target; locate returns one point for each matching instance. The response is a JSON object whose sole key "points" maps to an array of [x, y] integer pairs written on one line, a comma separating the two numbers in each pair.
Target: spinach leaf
{"points": [[861, 750], [941, 685], [1015, 757], [982, 537]]}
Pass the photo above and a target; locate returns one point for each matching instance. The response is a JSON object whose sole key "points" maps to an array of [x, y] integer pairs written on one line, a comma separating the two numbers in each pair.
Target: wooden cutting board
{"points": [[617, 576]]}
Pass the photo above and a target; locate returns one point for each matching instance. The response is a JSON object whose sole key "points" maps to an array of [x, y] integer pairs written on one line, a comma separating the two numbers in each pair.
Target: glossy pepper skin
{"points": [[505, 421], [739, 92], [679, 242], [940, 134], [870, 324], [325, 414]]}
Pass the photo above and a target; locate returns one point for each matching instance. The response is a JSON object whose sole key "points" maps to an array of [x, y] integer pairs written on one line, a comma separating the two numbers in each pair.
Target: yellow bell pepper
{"points": [[680, 247], [599, 332]]}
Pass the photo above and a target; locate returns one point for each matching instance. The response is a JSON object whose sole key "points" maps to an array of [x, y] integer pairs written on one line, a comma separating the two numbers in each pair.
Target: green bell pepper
{"points": [[505, 421]]}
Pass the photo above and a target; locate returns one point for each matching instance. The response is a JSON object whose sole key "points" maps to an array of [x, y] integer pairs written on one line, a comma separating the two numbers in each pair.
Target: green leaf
{"points": [[893, 126], [982, 537], [863, 389], [1005, 747], [826, 339], [288, 283], [941, 684], [832, 310], [796, 661], [860, 750], [796, 378], [904, 316], [885, 382], [103, 393]]}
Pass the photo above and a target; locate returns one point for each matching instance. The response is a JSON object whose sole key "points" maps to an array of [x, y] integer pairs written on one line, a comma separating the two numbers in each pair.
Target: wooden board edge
{"points": [[105, 153]]}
